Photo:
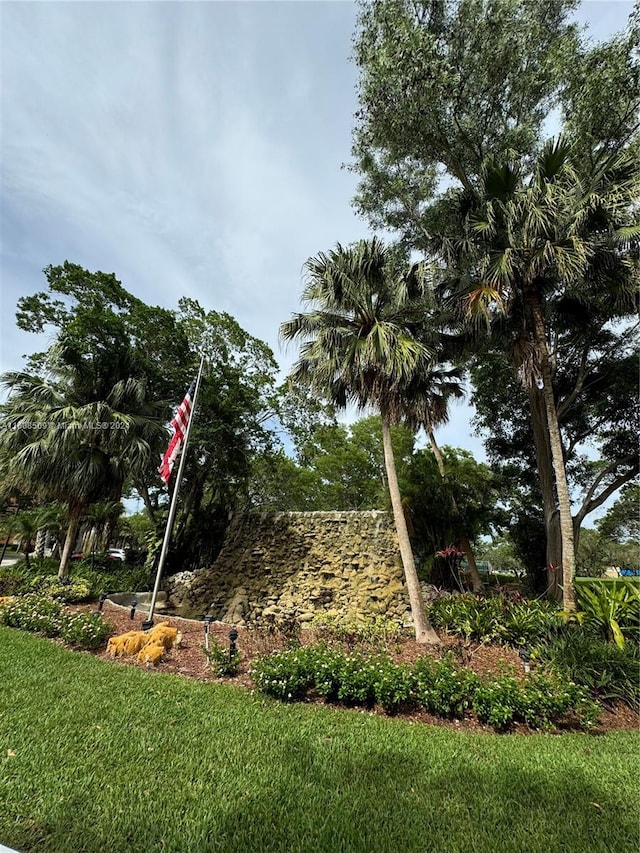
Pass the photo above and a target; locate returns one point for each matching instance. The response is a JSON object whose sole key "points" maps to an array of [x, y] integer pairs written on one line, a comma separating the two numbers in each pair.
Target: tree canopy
{"points": [[450, 142]]}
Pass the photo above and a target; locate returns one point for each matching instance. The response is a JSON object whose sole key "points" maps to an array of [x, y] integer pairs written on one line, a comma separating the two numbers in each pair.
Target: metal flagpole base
{"points": [[147, 625]]}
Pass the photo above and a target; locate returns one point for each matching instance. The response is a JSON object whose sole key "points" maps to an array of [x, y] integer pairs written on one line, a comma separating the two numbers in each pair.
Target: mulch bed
{"points": [[188, 659]]}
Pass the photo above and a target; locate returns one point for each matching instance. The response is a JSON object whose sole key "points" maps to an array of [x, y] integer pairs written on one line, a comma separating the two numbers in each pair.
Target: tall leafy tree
{"points": [[341, 468], [358, 346], [59, 440], [231, 427], [427, 399], [470, 485], [597, 402], [531, 237], [622, 520], [447, 85], [443, 84], [114, 335]]}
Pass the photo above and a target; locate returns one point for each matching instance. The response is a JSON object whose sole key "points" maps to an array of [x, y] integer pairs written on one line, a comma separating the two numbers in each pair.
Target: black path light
{"points": [[132, 612], [233, 649], [101, 601], [525, 657], [207, 626]]}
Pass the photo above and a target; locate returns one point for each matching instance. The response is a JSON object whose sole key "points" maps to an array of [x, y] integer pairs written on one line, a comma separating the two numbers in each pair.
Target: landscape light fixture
{"points": [[525, 657], [134, 604], [233, 636], [101, 601], [207, 625]]}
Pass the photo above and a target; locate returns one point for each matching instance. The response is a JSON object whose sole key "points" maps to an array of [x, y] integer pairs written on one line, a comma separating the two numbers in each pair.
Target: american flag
{"points": [[179, 424]]}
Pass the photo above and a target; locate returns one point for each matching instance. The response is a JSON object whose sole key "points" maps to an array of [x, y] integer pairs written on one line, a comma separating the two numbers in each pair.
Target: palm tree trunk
{"points": [[544, 464], [476, 580], [424, 631], [562, 487], [41, 542], [75, 514]]}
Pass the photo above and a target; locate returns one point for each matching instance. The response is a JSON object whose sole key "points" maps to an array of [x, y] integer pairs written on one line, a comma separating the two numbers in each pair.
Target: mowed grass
{"points": [[96, 756]]}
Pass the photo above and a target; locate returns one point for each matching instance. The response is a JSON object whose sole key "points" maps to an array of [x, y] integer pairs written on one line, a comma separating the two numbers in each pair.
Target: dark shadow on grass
{"points": [[389, 803], [384, 801]]}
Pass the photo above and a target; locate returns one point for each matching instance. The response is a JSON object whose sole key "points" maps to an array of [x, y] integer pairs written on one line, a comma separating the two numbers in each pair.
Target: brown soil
{"points": [[188, 659]]}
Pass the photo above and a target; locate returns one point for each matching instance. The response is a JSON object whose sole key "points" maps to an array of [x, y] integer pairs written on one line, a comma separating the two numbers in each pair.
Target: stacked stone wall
{"points": [[299, 564]]}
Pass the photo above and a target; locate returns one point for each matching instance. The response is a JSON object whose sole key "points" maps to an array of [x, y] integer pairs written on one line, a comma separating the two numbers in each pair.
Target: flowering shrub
{"points": [[326, 663], [539, 700], [46, 616], [393, 685], [71, 591], [440, 686], [284, 675], [222, 662], [33, 613], [84, 630], [357, 680]]}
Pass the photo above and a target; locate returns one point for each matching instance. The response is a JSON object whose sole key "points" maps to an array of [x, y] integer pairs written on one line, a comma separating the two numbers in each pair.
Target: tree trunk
{"points": [[465, 545], [146, 499], [41, 542], [424, 631], [544, 464], [75, 514], [562, 487]]}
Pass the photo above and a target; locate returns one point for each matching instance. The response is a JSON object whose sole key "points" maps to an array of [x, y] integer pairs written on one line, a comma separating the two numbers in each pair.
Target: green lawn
{"points": [[111, 758]]}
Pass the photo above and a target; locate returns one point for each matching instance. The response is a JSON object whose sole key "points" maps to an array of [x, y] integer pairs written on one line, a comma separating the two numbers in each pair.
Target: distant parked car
{"points": [[116, 554]]}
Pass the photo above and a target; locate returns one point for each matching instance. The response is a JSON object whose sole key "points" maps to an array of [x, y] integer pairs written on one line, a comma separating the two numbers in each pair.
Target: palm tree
{"points": [[427, 405], [49, 520], [25, 525], [529, 238], [72, 439], [358, 346], [102, 517]]}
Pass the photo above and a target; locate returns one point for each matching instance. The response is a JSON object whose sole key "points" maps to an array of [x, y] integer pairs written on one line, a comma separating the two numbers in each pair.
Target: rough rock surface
{"points": [[296, 565]]}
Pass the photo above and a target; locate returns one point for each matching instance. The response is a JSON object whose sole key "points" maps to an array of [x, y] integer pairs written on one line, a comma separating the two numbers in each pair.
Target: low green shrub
{"points": [[498, 702], [46, 616], [286, 675], [393, 685], [377, 631], [84, 630], [116, 577], [497, 618], [14, 580], [33, 612], [72, 590], [357, 680], [539, 700], [222, 662], [43, 577], [327, 664], [607, 671], [442, 687]]}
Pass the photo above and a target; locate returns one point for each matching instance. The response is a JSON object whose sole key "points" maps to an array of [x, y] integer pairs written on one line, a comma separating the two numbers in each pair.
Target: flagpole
{"points": [[174, 504]]}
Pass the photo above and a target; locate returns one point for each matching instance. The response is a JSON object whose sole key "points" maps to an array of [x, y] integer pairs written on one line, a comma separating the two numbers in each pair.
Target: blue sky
{"points": [[191, 148]]}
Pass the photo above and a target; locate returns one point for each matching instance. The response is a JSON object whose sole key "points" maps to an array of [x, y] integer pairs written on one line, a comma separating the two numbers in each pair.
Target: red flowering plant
{"points": [[452, 557]]}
